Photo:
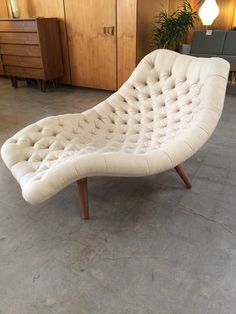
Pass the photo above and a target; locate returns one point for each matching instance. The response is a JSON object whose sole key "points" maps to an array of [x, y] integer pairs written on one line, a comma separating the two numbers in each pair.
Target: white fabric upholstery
{"points": [[159, 118]]}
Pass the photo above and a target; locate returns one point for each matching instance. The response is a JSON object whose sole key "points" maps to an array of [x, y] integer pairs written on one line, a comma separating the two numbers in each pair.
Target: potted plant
{"points": [[171, 29]]}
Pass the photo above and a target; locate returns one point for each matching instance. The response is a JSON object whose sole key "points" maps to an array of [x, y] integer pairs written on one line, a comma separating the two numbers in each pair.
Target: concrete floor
{"points": [[151, 246]]}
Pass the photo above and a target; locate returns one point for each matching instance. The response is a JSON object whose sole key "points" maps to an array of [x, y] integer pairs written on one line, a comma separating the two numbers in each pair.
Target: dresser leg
{"points": [[30, 82], [42, 85], [55, 83], [13, 80]]}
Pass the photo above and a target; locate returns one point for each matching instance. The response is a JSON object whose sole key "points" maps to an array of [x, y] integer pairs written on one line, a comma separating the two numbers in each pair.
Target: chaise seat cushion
{"points": [[160, 117]]}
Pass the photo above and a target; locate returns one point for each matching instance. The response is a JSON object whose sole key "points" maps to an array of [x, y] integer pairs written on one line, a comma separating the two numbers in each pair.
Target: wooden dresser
{"points": [[30, 48]]}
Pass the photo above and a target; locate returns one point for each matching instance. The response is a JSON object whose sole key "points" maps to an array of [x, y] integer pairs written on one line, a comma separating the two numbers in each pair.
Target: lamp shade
{"points": [[208, 12]]}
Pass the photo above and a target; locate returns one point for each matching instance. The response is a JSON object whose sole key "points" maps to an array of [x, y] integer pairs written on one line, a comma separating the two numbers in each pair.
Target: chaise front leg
{"points": [[83, 191], [183, 176]]}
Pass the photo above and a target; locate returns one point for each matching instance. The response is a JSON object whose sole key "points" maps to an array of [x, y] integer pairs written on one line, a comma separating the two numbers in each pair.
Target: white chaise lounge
{"points": [[159, 118]]}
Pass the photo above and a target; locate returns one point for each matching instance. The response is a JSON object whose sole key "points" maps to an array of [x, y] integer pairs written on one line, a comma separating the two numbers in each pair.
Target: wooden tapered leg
{"points": [[42, 85], [13, 80], [55, 83], [183, 176], [83, 191]]}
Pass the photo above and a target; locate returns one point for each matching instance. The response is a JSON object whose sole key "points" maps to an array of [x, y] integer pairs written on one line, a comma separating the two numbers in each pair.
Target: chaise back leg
{"points": [[181, 172], [83, 193]]}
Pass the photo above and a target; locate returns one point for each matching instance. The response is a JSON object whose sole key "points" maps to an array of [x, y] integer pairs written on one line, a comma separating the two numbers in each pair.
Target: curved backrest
{"points": [[171, 99], [178, 82]]}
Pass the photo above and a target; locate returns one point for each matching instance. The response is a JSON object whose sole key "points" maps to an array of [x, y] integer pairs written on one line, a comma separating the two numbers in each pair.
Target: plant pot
{"points": [[184, 49]]}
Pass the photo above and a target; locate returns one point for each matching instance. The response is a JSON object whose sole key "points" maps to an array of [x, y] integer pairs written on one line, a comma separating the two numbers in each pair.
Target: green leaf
{"points": [[171, 29]]}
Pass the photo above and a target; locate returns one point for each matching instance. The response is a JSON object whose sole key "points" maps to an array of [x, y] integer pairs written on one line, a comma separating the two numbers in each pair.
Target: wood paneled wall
{"points": [[127, 29], [3, 9], [225, 17], [126, 38], [223, 21], [134, 31], [145, 24]]}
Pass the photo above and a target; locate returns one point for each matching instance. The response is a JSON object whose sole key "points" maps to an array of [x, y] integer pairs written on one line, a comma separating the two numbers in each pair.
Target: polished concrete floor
{"points": [[150, 247]]}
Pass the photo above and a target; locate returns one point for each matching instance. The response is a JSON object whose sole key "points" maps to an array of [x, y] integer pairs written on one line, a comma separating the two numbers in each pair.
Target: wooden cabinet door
{"points": [[92, 52]]}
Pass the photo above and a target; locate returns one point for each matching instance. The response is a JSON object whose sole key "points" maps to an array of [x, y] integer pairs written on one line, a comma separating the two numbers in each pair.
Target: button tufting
{"points": [[134, 120]]}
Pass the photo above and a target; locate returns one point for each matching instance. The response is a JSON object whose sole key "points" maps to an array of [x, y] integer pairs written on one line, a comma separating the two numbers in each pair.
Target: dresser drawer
{"points": [[19, 38], [28, 62], [18, 26], [20, 50], [24, 72]]}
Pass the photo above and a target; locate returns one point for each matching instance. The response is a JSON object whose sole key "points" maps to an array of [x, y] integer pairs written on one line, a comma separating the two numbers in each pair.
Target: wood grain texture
{"points": [[1, 66], [181, 172], [44, 44], [135, 20], [95, 58], [147, 10], [92, 53], [18, 26], [126, 39], [19, 38], [18, 71], [225, 17], [50, 47], [23, 61], [54, 8], [20, 50], [3, 9], [223, 21], [3, 14]]}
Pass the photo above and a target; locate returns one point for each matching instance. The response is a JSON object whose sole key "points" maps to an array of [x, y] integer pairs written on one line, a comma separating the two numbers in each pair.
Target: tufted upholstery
{"points": [[160, 117]]}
